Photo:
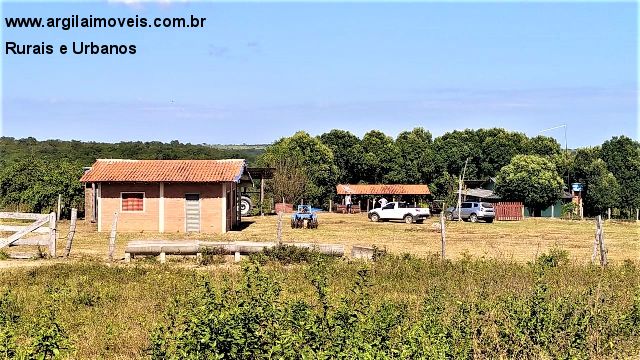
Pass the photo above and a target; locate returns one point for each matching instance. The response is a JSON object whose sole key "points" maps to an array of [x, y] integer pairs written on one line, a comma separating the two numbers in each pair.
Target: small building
{"points": [[393, 192], [164, 195]]}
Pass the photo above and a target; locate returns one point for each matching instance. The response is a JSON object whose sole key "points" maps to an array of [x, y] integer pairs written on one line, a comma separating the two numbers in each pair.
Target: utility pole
{"points": [[460, 181]]}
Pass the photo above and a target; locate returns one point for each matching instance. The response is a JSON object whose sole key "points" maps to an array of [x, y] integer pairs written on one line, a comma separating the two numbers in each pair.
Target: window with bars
{"points": [[132, 201]]}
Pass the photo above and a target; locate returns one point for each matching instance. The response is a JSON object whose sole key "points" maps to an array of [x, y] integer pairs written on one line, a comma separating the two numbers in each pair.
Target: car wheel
{"points": [[375, 217], [473, 218], [408, 219], [449, 216], [490, 220], [245, 206], [419, 221]]}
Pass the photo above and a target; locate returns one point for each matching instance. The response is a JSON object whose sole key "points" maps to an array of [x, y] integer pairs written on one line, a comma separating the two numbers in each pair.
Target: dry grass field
{"points": [[509, 240], [110, 310]]}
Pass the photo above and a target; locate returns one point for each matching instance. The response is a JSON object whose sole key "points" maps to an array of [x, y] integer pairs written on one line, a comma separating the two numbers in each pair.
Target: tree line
{"points": [[535, 170], [33, 173]]}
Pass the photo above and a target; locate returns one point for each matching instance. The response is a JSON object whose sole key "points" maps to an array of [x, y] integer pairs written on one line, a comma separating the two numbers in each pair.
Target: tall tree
{"points": [[347, 154], [544, 146], [415, 157], [314, 157], [622, 156], [531, 179], [380, 157], [601, 189]]}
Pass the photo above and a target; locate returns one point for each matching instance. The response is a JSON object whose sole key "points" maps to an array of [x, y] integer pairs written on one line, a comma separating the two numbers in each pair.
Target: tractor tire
{"points": [[375, 217], [408, 219], [314, 223], [246, 205], [473, 218], [293, 223]]}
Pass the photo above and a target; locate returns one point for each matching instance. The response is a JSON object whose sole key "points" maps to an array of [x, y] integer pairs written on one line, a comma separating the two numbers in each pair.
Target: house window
{"points": [[132, 201]]}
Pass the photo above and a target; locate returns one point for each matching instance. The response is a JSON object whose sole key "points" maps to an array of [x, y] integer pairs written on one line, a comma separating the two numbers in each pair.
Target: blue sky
{"points": [[260, 71]]}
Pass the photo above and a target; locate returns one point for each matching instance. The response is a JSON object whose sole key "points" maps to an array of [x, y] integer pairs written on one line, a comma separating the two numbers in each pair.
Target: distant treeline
{"points": [[33, 173], [86, 153], [533, 170]]}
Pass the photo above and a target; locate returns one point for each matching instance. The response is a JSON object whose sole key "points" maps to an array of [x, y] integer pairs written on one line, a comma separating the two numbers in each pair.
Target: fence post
{"points": [[637, 214], [112, 236], [330, 205], [608, 213], [59, 205], [443, 237], [52, 234], [603, 249], [72, 232], [279, 229]]}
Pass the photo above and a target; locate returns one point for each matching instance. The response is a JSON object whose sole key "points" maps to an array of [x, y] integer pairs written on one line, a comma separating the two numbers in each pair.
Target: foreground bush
{"points": [[253, 320]]}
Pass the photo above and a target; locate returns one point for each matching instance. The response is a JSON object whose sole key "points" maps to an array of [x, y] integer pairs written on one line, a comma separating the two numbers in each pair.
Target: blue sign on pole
{"points": [[576, 187]]}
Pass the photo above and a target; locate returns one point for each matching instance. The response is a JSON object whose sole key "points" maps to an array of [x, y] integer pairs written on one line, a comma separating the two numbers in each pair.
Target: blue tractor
{"points": [[304, 218]]}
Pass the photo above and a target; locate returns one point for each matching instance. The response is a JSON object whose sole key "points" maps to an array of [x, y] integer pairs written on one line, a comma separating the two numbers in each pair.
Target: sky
{"points": [[260, 71]]}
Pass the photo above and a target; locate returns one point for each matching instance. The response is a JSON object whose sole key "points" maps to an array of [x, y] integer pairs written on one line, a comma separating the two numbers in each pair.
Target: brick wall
{"points": [[146, 220], [212, 219], [210, 206]]}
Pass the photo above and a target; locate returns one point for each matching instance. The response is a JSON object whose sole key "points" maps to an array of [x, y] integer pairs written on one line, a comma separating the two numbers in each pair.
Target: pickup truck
{"points": [[399, 211]]}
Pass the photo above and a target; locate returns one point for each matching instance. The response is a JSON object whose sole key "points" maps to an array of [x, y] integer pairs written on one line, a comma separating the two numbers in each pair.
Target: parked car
{"points": [[472, 211], [399, 211]]}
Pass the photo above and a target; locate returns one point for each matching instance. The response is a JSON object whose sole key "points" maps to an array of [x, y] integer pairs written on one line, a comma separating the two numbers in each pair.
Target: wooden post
{"points": [[261, 195], [59, 205], [236, 256], [279, 228], [112, 236], [163, 257], [367, 205], [72, 232], [603, 249], [608, 213], [443, 237], [330, 205], [127, 257], [596, 240], [52, 234], [598, 244], [552, 211], [637, 214]]}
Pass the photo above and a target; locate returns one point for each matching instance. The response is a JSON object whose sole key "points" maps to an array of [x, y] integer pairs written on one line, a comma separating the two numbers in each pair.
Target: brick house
{"points": [[164, 195]]}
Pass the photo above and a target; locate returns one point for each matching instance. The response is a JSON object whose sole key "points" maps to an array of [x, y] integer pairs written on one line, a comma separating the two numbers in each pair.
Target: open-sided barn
{"points": [[164, 195]]}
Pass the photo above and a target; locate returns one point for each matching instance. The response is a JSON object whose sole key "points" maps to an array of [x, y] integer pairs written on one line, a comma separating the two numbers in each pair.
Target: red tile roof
{"points": [[118, 170], [389, 189]]}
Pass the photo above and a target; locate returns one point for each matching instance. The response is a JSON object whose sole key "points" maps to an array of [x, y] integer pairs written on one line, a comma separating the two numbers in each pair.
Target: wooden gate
{"points": [[508, 211], [21, 232]]}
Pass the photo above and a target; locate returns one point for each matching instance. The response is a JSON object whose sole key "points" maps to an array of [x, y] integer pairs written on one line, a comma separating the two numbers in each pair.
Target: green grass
{"points": [[110, 311]]}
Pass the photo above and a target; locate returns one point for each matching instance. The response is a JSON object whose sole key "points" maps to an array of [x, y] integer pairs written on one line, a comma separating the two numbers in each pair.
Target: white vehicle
{"points": [[399, 211]]}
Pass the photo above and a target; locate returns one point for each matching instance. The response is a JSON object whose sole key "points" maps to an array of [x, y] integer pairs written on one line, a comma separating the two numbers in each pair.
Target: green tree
{"points": [[33, 185], [414, 164], [544, 146], [348, 155], [313, 157], [622, 156], [381, 157], [531, 179], [601, 189]]}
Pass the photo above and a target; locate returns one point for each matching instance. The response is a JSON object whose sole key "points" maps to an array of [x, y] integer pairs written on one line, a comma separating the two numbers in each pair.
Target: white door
{"points": [[192, 212]]}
